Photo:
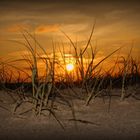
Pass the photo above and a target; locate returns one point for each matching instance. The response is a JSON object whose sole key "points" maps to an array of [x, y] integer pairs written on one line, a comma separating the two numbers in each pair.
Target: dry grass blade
{"points": [[94, 92], [17, 105], [5, 108], [89, 39], [70, 40], [59, 122], [84, 121], [26, 111], [15, 67], [23, 44], [106, 58], [125, 73]]}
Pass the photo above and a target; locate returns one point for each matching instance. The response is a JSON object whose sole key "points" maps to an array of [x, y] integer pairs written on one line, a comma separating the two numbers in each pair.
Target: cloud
{"points": [[116, 21], [17, 27], [47, 28]]}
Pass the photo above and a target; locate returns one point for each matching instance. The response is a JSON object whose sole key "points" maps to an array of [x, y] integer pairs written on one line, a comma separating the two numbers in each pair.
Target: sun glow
{"points": [[69, 67]]}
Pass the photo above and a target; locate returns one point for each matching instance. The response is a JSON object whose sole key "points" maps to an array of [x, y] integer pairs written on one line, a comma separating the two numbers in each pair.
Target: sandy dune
{"points": [[92, 122]]}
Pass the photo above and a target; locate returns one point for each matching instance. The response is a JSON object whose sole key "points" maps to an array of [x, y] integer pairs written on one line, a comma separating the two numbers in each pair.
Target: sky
{"points": [[117, 24]]}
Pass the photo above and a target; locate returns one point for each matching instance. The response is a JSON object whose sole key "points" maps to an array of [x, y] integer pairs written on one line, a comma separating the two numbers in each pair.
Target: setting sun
{"points": [[69, 67]]}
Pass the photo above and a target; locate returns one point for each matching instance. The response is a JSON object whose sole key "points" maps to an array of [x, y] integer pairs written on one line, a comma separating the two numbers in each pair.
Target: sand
{"points": [[95, 121]]}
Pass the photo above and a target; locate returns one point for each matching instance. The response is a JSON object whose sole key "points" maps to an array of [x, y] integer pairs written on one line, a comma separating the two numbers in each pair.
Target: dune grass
{"points": [[46, 90]]}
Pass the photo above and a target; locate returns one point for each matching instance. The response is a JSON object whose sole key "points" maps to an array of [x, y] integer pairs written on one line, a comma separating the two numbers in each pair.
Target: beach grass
{"points": [[45, 91]]}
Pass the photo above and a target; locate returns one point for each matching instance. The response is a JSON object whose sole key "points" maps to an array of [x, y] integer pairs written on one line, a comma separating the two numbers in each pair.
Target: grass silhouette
{"points": [[43, 92]]}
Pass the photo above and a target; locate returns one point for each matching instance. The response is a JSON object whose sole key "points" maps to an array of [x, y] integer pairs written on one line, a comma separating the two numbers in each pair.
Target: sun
{"points": [[69, 67]]}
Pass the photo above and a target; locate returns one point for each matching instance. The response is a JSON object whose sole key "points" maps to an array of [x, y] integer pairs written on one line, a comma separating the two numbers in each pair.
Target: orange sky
{"points": [[117, 24]]}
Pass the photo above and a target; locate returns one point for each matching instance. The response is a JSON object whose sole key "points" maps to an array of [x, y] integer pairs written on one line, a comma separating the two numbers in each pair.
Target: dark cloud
{"points": [[116, 19], [29, 9], [66, 12], [67, 4]]}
